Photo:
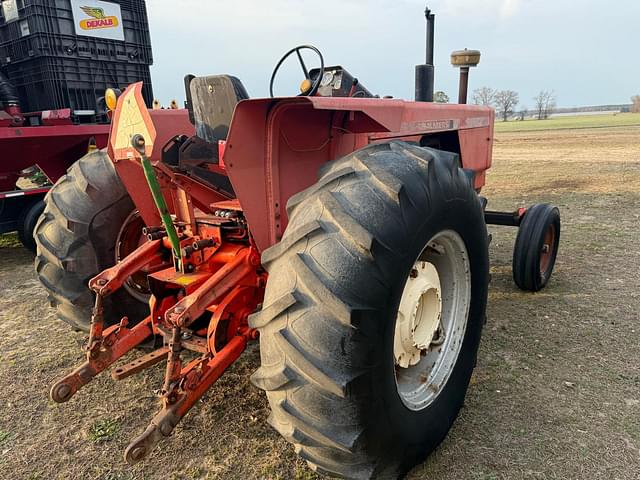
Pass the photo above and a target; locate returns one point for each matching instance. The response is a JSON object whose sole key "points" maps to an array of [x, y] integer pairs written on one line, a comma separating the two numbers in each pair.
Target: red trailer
{"points": [[33, 157], [49, 52]]}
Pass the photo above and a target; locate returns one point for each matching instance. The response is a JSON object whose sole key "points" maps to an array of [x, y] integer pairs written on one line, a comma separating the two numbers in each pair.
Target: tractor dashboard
{"points": [[338, 82]]}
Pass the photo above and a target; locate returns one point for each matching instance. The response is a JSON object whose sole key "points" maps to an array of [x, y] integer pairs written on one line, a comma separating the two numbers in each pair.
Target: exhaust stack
{"points": [[424, 72]]}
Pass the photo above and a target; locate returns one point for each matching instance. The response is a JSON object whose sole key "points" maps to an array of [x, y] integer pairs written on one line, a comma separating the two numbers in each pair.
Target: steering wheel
{"points": [[314, 83]]}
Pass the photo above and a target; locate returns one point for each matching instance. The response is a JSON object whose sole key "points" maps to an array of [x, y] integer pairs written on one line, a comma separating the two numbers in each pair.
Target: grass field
{"points": [[571, 122], [555, 394]]}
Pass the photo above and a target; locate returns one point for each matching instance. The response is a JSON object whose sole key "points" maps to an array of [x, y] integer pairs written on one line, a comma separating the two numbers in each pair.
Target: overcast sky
{"points": [[580, 49]]}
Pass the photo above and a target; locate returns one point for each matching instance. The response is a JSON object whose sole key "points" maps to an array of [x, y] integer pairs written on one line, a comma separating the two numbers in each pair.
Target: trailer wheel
{"points": [[77, 235], [27, 224], [373, 310], [536, 247]]}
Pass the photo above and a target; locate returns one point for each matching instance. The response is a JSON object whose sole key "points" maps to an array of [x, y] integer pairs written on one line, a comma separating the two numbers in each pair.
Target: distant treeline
{"points": [[595, 108]]}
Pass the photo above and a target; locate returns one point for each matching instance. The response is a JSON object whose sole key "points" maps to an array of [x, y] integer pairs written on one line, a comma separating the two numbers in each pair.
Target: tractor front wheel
{"points": [[373, 310], [536, 247], [79, 235]]}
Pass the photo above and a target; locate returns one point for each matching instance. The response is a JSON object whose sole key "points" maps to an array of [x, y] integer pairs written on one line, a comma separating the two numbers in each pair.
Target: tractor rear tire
{"points": [[76, 238], [328, 323], [27, 223], [536, 247]]}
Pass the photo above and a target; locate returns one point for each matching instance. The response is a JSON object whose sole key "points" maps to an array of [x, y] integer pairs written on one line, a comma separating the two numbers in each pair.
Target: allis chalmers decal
{"points": [[98, 19]]}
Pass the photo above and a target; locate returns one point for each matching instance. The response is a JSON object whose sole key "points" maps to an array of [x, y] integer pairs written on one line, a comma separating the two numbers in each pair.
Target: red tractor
{"points": [[344, 231]]}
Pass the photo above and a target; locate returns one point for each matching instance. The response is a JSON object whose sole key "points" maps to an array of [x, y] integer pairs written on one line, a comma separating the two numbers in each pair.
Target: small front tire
{"points": [[536, 247]]}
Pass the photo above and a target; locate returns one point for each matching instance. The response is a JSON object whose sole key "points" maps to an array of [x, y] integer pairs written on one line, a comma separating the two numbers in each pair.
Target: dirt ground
{"points": [[556, 393]]}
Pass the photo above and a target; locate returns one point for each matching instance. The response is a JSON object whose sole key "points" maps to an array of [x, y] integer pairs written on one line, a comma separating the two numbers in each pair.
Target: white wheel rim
{"points": [[432, 320]]}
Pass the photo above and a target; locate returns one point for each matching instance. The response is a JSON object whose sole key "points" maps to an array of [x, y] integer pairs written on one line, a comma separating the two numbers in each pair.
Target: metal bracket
{"points": [[140, 364], [111, 279], [218, 285], [116, 341], [195, 380], [509, 219]]}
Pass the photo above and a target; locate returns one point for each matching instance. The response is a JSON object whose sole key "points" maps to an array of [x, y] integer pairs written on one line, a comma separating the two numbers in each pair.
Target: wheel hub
{"points": [[419, 314], [432, 320]]}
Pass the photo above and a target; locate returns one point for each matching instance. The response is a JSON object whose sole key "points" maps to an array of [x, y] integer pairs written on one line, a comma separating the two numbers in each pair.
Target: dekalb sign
{"points": [[96, 18]]}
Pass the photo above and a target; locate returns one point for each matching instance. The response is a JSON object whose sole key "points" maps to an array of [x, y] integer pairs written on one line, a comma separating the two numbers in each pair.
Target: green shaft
{"points": [[158, 198]]}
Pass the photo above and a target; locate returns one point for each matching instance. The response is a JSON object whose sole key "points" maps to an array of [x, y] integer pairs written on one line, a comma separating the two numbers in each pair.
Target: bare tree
{"points": [[505, 101], [636, 104], [483, 96], [540, 100], [523, 112], [440, 97], [545, 103], [550, 106]]}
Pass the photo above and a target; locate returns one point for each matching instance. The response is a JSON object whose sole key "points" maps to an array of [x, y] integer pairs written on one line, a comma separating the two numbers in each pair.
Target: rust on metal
{"points": [[548, 247], [222, 282], [465, 58], [197, 377], [174, 363], [115, 342], [140, 364]]}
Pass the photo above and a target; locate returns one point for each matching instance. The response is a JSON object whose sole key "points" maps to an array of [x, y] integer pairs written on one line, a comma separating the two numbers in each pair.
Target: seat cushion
{"points": [[214, 99]]}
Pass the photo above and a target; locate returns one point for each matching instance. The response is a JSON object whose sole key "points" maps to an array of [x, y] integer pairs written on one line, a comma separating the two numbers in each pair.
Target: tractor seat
{"points": [[213, 100]]}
